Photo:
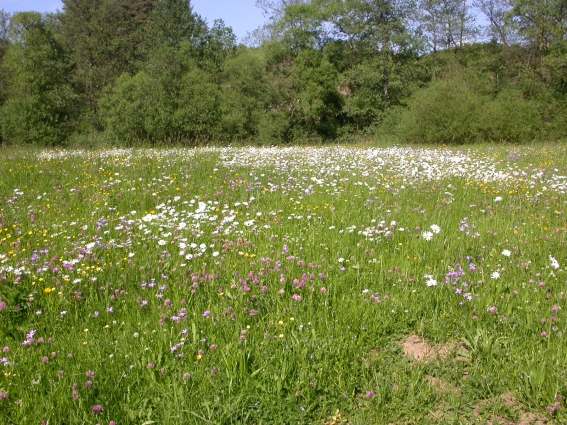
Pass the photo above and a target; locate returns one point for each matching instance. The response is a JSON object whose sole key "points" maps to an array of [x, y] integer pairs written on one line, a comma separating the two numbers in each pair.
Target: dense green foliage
{"points": [[153, 71], [455, 111], [40, 102]]}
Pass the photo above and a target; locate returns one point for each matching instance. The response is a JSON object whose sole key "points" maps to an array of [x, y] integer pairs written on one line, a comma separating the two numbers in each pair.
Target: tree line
{"points": [[153, 71]]}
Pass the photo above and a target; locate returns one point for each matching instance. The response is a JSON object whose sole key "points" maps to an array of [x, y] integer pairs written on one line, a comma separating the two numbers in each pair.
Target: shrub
{"points": [[444, 112], [198, 111], [32, 120], [273, 128], [245, 94], [319, 104], [510, 118], [136, 109], [557, 121], [40, 102]]}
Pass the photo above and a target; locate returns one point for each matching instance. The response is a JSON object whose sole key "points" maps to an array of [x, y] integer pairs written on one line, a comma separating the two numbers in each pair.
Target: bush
{"points": [[273, 128], [319, 105], [444, 112], [246, 94], [455, 111], [510, 118], [41, 104], [32, 120], [198, 111], [139, 108], [136, 109], [557, 125], [555, 68]]}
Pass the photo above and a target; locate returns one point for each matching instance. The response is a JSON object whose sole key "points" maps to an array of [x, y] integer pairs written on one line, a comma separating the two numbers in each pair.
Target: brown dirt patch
{"points": [[440, 414], [418, 349], [511, 402], [556, 406], [443, 387], [499, 420], [528, 418]]}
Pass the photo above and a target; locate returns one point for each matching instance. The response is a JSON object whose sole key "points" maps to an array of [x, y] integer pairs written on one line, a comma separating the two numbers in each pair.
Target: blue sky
{"points": [[242, 15]]}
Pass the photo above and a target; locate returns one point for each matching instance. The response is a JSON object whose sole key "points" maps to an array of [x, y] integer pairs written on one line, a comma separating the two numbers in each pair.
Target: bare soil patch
{"points": [[418, 349], [511, 402], [443, 387]]}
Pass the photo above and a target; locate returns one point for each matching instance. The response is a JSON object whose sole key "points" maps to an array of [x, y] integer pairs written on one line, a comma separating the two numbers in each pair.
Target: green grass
{"points": [[261, 357]]}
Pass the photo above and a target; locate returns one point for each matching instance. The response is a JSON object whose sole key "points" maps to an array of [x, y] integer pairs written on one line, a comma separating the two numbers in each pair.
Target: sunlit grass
{"points": [[226, 286]]}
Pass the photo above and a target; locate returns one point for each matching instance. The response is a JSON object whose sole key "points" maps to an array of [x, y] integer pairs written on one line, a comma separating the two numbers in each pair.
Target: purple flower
{"points": [[30, 338], [101, 223], [4, 361], [296, 297], [370, 395], [207, 314], [3, 395], [68, 266], [3, 305], [75, 392], [454, 276], [97, 409], [176, 348], [492, 310], [90, 374]]}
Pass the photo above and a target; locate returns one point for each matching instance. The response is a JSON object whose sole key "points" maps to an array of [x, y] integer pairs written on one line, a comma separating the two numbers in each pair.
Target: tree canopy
{"points": [[153, 71]]}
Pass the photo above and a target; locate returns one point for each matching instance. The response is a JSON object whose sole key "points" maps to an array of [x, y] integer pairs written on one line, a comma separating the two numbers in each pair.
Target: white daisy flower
{"points": [[430, 280]]}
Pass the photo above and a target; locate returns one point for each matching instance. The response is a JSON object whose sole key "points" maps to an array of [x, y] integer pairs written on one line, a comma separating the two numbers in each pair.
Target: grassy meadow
{"points": [[335, 285]]}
